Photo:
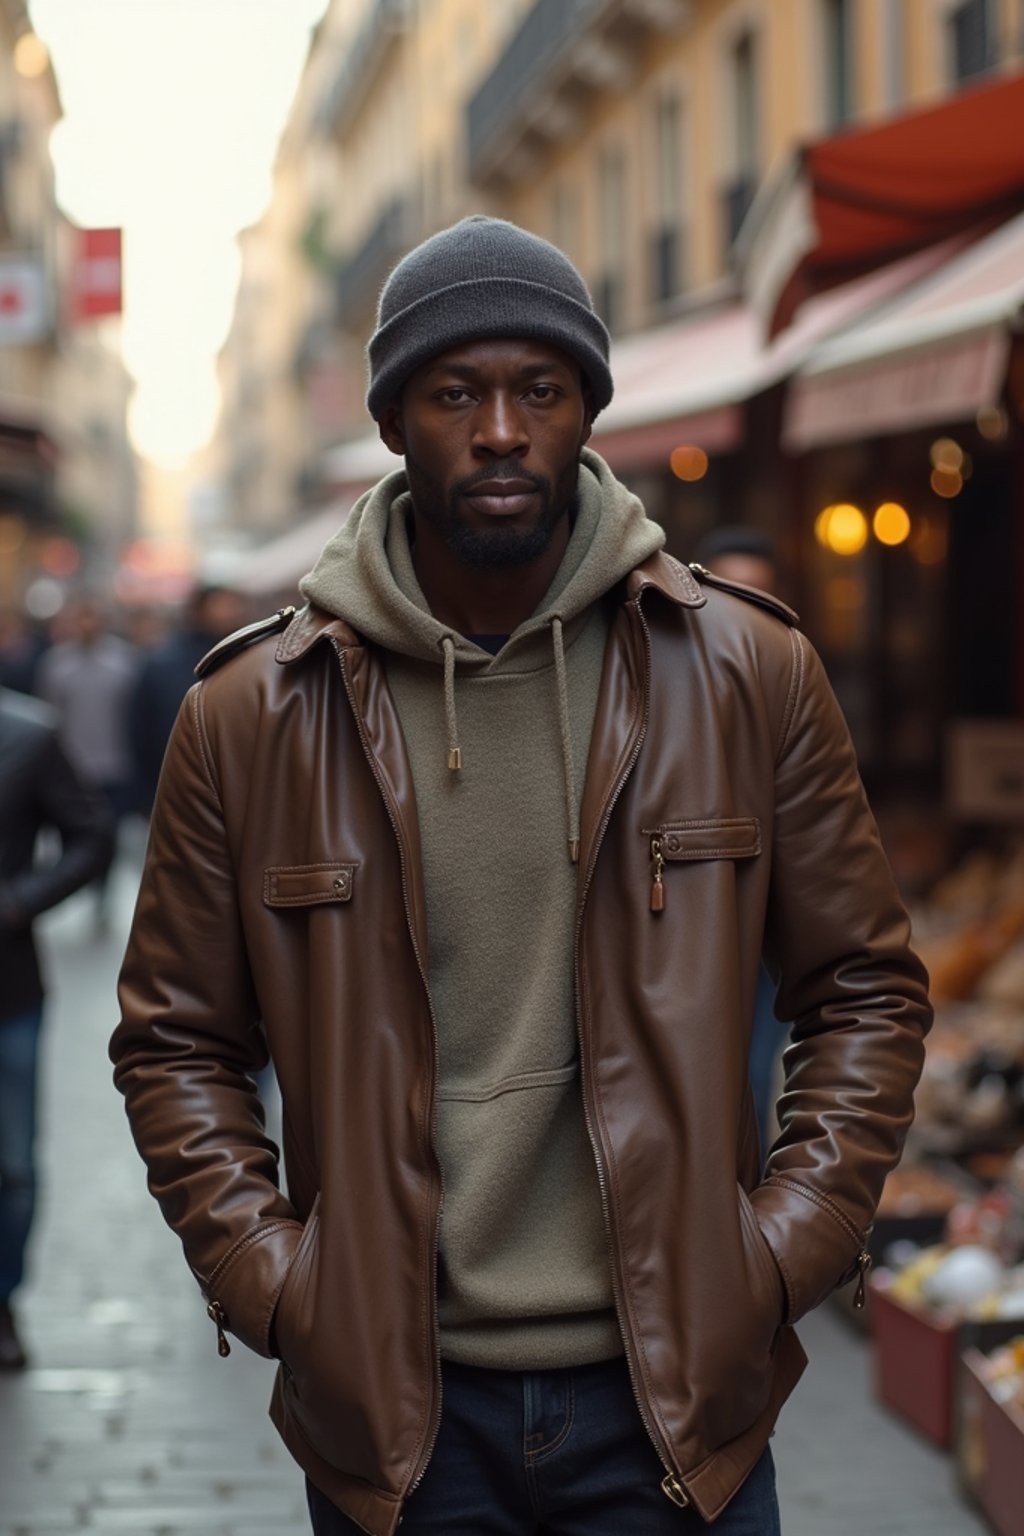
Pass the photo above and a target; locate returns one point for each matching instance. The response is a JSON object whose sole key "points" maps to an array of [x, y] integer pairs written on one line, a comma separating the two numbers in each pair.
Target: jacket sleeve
{"points": [[62, 803], [187, 1044], [837, 943]]}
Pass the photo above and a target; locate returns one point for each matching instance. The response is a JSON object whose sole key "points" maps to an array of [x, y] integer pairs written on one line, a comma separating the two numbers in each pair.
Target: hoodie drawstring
{"points": [[454, 750], [568, 766]]}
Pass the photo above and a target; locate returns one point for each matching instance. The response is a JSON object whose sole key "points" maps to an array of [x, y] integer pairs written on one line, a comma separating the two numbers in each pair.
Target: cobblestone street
{"points": [[128, 1421]]}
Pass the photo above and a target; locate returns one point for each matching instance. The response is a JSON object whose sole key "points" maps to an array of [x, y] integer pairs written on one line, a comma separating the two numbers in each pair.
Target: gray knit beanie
{"points": [[483, 277]]}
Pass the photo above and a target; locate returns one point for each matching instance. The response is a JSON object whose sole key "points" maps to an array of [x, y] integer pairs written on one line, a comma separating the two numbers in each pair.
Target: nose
{"points": [[499, 427]]}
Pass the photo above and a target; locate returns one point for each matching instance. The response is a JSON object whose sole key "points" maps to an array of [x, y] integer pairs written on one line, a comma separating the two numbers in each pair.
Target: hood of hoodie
{"points": [[365, 573]]}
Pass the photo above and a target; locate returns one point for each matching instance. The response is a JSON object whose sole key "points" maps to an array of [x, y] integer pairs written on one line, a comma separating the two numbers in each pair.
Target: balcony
{"points": [[384, 25], [565, 53], [362, 275]]}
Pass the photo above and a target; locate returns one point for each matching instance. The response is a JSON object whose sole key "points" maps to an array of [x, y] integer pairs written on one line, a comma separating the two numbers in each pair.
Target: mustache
{"points": [[503, 469]]}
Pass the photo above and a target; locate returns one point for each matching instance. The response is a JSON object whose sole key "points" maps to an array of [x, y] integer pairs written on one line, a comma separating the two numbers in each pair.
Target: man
{"points": [[88, 679], [741, 553], [486, 843], [39, 791], [167, 673]]}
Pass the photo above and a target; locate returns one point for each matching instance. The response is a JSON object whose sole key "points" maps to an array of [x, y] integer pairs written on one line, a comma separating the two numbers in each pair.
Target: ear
{"points": [[389, 425]]}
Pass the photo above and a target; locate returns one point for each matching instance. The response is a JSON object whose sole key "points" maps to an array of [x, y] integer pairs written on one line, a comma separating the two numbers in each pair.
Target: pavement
{"points": [[129, 1422]]}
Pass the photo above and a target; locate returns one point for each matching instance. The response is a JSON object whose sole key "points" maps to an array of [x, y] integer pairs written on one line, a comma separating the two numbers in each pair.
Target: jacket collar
{"points": [[309, 626], [312, 624], [670, 577]]}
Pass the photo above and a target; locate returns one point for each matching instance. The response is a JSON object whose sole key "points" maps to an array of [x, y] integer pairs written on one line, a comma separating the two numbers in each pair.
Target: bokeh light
{"points": [[842, 528], [946, 482], [31, 56], [992, 423], [891, 523], [947, 455], [688, 462]]}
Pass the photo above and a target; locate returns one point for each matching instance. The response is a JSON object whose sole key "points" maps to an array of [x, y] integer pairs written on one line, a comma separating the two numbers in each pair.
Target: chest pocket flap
{"points": [[308, 885], [730, 837]]}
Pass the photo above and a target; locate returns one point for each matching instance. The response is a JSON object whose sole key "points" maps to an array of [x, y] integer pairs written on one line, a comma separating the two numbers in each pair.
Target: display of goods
{"points": [[1003, 1372]]}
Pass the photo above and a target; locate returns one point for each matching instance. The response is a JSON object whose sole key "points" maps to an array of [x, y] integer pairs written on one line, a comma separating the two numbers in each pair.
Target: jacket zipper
{"points": [[863, 1261], [435, 1423], [672, 1485]]}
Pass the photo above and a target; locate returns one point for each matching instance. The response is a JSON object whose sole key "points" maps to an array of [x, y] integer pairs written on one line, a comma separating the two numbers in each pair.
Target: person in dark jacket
{"points": [[167, 674], [39, 791]]}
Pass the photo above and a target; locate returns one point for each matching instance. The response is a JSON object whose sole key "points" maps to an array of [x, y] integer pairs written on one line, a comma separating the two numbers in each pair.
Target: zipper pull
{"points": [[863, 1265], [215, 1312], [673, 1489], [657, 884]]}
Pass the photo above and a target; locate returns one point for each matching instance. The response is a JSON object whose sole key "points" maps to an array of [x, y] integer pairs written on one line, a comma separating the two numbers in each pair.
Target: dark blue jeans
{"points": [[19, 1070], [553, 1453]]}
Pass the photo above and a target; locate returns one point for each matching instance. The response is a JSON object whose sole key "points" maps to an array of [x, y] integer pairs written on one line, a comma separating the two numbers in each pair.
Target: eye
{"points": [[455, 394], [543, 392]]}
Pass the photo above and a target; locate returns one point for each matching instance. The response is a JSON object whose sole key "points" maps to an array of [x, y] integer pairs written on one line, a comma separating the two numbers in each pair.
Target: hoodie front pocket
{"points": [[719, 837], [308, 885]]}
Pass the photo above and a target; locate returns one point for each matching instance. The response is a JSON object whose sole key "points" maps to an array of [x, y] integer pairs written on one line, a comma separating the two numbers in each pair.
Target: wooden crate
{"points": [[917, 1354], [990, 1449]]}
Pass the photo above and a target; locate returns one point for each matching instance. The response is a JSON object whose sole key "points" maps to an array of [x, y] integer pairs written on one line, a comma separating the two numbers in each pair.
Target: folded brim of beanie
{"points": [[482, 308]]}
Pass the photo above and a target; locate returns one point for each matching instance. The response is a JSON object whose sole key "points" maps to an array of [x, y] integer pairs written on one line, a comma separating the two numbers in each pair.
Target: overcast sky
{"points": [[172, 113]]}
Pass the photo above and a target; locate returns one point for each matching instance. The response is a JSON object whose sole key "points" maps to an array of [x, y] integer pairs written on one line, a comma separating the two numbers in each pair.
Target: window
{"points": [[666, 254], [612, 230], [745, 103], [745, 108], [970, 39], [894, 48], [837, 61], [565, 216]]}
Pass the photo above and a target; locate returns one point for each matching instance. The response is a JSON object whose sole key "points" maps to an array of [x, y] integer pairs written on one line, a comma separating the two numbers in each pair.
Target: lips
{"points": [[502, 498]]}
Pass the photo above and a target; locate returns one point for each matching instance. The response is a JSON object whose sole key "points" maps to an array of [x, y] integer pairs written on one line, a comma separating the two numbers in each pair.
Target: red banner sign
{"points": [[96, 274]]}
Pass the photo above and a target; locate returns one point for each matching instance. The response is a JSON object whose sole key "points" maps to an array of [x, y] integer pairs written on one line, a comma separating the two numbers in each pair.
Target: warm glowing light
{"points": [[946, 482], [689, 462], [992, 423], [842, 528], [891, 523], [947, 455], [31, 56]]}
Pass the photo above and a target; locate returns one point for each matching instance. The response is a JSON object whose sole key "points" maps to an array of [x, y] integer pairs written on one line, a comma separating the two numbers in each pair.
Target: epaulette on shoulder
{"points": [[764, 600], [242, 638]]}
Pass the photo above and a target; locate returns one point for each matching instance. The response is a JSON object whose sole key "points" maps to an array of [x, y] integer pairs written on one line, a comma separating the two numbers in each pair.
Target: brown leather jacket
{"points": [[283, 888]]}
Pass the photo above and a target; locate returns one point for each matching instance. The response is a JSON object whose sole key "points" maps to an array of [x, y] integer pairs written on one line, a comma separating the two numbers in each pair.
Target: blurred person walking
{"points": [[486, 843], [39, 793], [20, 651], [88, 678], [746, 555], [168, 672]]}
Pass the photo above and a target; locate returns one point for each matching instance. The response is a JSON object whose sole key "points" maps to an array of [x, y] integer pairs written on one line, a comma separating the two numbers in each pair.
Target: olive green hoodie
{"points": [[524, 1281]]}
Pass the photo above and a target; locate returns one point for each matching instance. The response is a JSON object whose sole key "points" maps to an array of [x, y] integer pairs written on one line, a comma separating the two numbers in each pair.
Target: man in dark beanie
{"points": [[485, 845]]}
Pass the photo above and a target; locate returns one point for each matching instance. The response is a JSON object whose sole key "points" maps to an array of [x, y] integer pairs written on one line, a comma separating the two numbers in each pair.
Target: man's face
{"points": [[491, 432]]}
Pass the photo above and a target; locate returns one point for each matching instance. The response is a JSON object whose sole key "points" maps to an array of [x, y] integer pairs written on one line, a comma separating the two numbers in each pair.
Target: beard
{"points": [[498, 547]]}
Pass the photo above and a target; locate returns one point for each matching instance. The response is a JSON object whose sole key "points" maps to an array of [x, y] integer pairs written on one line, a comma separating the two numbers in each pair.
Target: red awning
{"points": [[936, 354], [868, 195], [687, 381]]}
